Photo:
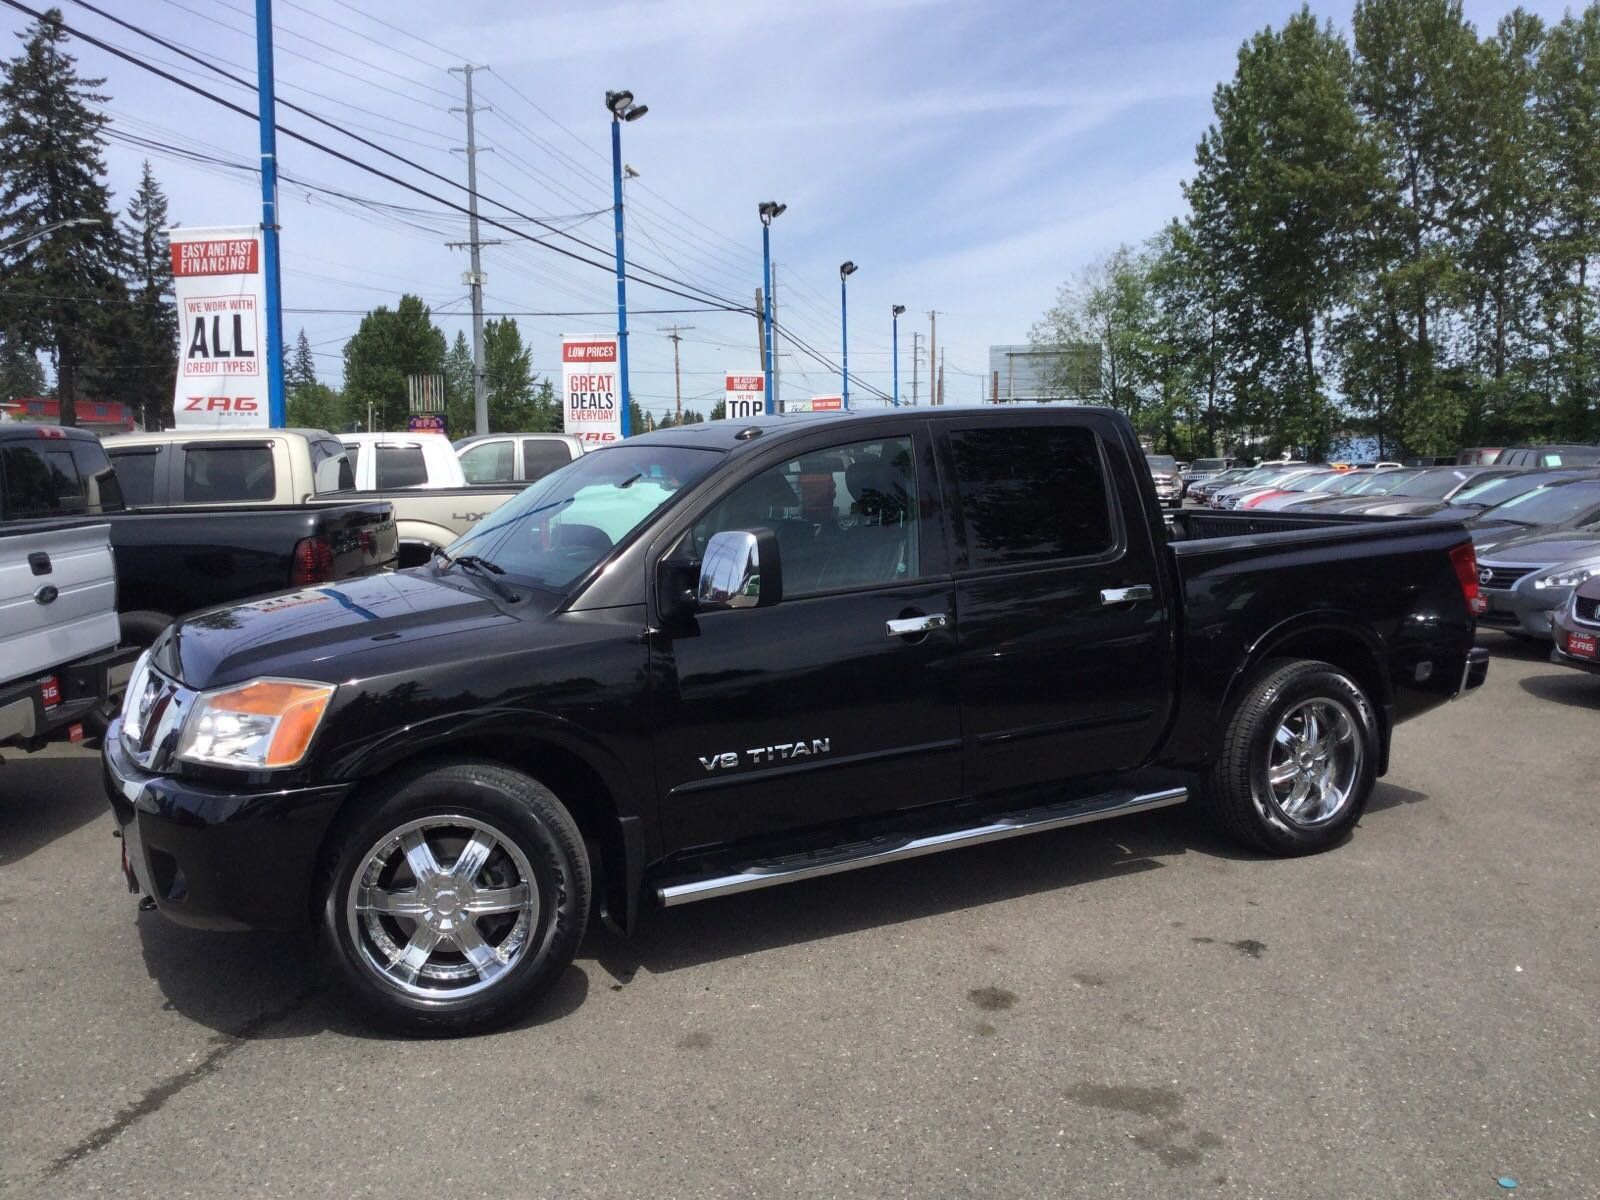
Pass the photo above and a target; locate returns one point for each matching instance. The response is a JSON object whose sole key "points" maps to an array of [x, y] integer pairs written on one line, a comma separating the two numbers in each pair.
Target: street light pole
{"points": [[769, 210], [846, 269], [277, 411], [894, 313], [622, 108], [47, 229]]}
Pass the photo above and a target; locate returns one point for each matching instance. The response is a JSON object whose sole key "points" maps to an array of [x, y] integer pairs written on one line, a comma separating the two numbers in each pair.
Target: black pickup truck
{"points": [[172, 560], [730, 655]]}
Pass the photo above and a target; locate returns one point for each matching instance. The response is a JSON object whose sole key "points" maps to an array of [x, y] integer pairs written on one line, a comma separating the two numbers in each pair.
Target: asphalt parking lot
{"points": [[1130, 1009]]}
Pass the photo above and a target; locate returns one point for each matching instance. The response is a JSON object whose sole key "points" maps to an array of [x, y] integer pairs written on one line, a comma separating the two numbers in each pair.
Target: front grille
{"points": [[1587, 609], [1501, 579], [163, 703]]}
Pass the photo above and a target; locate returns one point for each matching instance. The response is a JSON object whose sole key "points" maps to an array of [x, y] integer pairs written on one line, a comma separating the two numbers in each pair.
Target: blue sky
{"points": [[970, 157]]}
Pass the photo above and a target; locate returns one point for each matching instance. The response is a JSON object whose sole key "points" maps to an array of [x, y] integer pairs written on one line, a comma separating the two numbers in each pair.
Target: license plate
{"points": [[1581, 645], [1480, 605], [50, 691]]}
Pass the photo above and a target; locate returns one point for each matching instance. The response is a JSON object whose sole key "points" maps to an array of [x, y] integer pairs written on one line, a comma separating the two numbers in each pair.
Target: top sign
{"points": [[827, 403], [744, 395]]}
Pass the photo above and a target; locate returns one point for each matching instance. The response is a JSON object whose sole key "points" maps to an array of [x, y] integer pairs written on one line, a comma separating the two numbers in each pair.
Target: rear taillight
{"points": [[1465, 560], [313, 561]]}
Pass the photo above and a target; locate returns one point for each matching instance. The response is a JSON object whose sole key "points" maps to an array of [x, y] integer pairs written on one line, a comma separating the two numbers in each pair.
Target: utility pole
{"points": [[761, 326], [265, 90], [940, 399], [676, 336], [933, 348], [475, 277], [916, 357], [772, 323]]}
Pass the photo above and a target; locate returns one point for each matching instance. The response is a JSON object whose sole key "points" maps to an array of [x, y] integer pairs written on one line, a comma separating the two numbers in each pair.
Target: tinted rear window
{"points": [[136, 469], [41, 481], [400, 467], [1031, 494], [540, 456], [227, 474]]}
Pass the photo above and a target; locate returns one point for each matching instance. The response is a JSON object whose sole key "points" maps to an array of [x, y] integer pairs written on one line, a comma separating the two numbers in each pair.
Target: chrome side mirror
{"points": [[740, 570]]}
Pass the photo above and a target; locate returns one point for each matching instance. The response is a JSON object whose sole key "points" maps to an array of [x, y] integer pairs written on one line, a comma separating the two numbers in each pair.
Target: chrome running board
{"points": [[891, 849]]}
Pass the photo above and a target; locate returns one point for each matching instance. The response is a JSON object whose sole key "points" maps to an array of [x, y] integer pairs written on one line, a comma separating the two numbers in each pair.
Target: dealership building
{"points": [[1029, 373]]}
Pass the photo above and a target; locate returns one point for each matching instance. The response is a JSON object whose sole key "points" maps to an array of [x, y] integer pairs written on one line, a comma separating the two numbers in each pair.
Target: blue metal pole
{"points": [[844, 334], [896, 317], [622, 286], [277, 413], [766, 304]]}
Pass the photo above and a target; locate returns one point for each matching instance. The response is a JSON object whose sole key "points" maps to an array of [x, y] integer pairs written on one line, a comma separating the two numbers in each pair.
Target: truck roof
{"points": [[213, 435]]}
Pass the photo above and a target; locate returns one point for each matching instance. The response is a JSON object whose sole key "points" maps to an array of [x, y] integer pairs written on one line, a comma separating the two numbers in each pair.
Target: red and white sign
{"points": [[222, 378], [744, 396], [50, 691], [827, 403], [1581, 645], [591, 392]]}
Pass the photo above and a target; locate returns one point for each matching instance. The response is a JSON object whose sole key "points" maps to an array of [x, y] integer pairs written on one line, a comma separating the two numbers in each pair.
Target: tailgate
{"points": [[58, 597], [363, 538]]}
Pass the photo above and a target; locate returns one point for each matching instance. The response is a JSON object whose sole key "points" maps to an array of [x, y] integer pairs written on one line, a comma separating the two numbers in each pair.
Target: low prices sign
{"points": [[216, 275], [591, 391], [744, 395]]}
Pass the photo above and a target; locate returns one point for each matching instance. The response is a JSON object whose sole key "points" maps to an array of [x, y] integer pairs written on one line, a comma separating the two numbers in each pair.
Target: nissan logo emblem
{"points": [[1485, 575]]}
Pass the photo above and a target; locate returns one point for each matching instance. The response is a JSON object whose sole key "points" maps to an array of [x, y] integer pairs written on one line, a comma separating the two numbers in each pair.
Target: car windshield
{"points": [[1380, 483], [1499, 489], [1549, 505], [1161, 462], [1208, 464], [1431, 485], [559, 527], [1345, 481], [1309, 482]]}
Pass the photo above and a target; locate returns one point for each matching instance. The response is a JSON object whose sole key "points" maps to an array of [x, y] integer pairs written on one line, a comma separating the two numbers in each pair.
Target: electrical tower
{"points": [[676, 336], [475, 277]]}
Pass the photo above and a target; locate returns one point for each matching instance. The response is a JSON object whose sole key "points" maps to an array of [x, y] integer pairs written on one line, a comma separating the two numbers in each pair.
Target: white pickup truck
{"points": [[59, 662], [417, 473]]}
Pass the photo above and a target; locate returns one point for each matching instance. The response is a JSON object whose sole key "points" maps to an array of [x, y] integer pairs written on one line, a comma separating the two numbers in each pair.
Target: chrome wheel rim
{"points": [[440, 932], [1313, 762]]}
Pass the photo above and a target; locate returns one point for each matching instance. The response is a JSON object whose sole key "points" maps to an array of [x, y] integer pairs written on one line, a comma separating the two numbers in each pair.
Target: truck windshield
{"points": [[1549, 505], [559, 527], [1161, 462]]}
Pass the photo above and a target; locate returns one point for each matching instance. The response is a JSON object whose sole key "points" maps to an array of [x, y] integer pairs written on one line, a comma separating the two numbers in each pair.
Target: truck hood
{"points": [[318, 632]]}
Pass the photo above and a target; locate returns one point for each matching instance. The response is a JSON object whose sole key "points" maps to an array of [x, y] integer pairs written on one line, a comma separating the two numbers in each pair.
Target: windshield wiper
{"points": [[482, 568]]}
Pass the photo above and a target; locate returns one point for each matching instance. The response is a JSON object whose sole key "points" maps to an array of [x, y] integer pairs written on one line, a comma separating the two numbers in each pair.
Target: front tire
{"points": [[456, 899], [1298, 759]]}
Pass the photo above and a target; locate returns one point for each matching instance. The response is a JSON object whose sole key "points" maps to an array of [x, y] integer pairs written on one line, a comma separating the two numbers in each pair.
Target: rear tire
{"points": [[455, 899], [1298, 759]]}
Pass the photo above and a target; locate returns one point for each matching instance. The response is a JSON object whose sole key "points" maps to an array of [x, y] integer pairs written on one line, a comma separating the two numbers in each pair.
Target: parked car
{"points": [[1200, 490], [1265, 480], [735, 654], [60, 664], [1559, 505], [1524, 581], [1563, 455], [1294, 487], [515, 457], [1577, 628], [393, 461], [1164, 473], [1421, 493], [1308, 488], [1488, 490], [1202, 469], [1478, 455], [191, 542], [1372, 483]]}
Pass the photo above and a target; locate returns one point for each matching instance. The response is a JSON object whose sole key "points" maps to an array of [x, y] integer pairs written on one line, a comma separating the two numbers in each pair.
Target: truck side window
{"points": [[136, 471], [1031, 494], [227, 474], [102, 490], [540, 456], [400, 467], [490, 462], [41, 482], [846, 517], [330, 469]]}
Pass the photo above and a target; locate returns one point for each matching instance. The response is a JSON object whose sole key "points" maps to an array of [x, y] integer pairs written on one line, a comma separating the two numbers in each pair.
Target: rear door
{"points": [[815, 711], [540, 456], [1066, 638], [58, 596]]}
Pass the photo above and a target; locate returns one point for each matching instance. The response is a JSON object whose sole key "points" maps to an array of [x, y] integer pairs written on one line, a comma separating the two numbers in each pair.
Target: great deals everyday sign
{"points": [[744, 395], [590, 390], [222, 381]]}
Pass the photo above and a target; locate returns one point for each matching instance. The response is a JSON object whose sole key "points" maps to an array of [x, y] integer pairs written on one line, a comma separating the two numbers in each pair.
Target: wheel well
{"points": [[578, 786], [1341, 649]]}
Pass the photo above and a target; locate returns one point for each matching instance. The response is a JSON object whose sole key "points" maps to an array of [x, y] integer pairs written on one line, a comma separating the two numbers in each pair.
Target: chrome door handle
{"points": [[1123, 595], [907, 625]]}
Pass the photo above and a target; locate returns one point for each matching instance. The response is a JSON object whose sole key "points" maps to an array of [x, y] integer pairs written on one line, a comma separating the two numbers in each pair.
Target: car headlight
{"points": [[1566, 577], [266, 723], [133, 710]]}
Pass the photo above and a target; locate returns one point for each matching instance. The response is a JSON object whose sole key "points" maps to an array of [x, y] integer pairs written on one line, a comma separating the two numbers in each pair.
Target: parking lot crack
{"points": [[154, 1098]]}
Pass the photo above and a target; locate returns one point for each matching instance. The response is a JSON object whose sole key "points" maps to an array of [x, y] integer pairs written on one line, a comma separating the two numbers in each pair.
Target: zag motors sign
{"points": [[216, 275]]}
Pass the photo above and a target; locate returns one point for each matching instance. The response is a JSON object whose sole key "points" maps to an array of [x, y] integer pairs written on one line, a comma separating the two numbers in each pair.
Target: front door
{"points": [[811, 712], [1061, 676]]}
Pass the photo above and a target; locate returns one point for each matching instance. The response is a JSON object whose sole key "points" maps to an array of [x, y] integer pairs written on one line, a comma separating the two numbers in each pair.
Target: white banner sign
{"points": [[744, 396], [222, 376], [590, 389]]}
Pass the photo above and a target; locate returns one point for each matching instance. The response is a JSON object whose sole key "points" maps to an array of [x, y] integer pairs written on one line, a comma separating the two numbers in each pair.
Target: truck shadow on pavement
{"points": [[269, 986], [45, 797]]}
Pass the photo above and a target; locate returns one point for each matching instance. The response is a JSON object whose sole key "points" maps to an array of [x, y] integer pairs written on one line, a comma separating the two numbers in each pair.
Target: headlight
{"points": [[133, 708], [266, 723], [1566, 577]]}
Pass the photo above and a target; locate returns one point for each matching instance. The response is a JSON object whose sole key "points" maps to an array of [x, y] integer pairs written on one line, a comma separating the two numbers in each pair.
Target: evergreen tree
{"points": [[391, 345], [151, 350], [719, 410], [508, 377], [20, 372], [316, 406], [59, 285], [459, 417], [301, 369]]}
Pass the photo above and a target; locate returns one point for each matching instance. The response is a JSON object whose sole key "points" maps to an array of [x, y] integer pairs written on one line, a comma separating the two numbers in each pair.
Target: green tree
{"points": [[1107, 307], [1568, 105], [719, 410], [1186, 288], [316, 406], [52, 169], [152, 347], [459, 416], [20, 372], [390, 345], [508, 377], [301, 369]]}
